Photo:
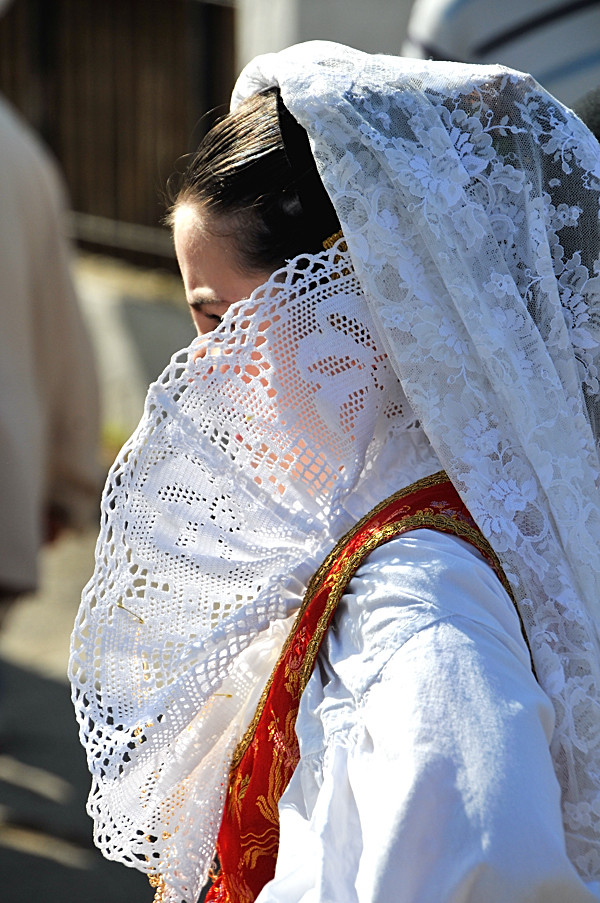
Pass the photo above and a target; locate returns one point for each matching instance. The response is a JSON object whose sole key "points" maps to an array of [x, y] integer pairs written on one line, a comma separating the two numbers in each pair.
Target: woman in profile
{"points": [[344, 621]]}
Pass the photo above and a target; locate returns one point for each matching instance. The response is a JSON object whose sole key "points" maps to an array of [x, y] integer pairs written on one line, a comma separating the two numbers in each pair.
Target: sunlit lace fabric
{"points": [[469, 201], [258, 449]]}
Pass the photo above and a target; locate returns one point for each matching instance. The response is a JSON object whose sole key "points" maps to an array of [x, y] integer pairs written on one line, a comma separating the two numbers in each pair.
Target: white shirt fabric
{"points": [[425, 773]]}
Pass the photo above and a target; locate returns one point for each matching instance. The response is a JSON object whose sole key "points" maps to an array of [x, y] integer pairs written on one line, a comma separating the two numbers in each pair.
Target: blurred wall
{"points": [[267, 25], [118, 90]]}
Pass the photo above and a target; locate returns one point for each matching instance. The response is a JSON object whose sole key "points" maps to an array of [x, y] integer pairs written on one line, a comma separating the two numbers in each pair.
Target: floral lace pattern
{"points": [[469, 199], [259, 447]]}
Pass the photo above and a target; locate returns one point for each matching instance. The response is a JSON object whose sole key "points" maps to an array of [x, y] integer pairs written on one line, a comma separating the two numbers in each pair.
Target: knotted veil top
{"points": [[460, 329]]}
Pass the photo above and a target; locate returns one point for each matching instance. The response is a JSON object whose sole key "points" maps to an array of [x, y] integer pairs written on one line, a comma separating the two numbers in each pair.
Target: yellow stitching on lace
{"points": [[329, 242]]}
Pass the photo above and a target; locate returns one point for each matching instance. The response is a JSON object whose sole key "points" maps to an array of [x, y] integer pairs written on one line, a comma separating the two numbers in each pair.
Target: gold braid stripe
{"points": [[338, 582], [421, 519], [387, 532]]}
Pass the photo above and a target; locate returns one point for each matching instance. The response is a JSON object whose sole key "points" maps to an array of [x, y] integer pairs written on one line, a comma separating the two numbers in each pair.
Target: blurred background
{"points": [[117, 91]]}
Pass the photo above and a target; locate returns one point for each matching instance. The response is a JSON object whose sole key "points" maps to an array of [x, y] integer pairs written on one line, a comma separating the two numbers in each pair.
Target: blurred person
{"points": [[49, 411], [556, 41]]}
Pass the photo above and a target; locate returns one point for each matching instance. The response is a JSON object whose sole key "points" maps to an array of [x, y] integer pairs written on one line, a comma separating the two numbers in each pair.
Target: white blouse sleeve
{"points": [[425, 773]]}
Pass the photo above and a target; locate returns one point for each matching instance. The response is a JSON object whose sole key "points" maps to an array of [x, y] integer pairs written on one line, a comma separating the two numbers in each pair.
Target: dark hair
{"points": [[255, 177]]}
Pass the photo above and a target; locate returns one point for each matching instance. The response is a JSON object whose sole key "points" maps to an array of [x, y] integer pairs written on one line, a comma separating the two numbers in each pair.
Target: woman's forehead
{"points": [[208, 261]]}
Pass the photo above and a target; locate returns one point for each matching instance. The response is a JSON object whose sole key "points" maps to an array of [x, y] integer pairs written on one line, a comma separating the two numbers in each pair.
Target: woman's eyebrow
{"points": [[201, 299]]}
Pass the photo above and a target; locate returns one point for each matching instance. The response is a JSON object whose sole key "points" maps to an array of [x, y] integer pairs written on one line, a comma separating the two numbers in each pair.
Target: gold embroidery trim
{"points": [[377, 538], [158, 882], [419, 519], [329, 242], [380, 536], [389, 531]]}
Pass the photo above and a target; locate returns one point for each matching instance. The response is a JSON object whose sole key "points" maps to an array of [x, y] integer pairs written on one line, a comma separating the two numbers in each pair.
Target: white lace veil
{"points": [[469, 200]]}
